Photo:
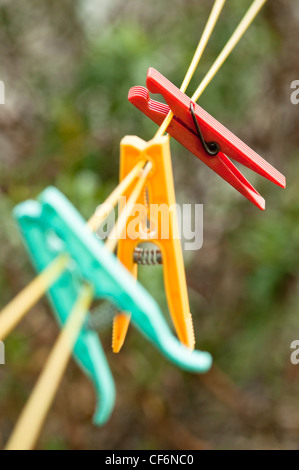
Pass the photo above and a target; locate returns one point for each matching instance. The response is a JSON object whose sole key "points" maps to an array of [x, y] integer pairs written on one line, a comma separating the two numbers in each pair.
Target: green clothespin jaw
{"points": [[50, 227]]}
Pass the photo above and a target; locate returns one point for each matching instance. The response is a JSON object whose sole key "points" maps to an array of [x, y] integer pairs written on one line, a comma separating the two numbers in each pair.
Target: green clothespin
{"points": [[51, 226]]}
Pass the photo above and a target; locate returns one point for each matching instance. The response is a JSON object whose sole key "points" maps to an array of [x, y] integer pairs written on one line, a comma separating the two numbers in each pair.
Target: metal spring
{"points": [[211, 148], [147, 256]]}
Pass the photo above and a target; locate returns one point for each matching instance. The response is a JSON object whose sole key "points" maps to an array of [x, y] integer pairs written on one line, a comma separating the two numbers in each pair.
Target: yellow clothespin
{"points": [[160, 190]]}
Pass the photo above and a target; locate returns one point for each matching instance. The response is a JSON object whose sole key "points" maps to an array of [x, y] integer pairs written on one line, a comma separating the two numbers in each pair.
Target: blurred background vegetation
{"points": [[67, 67]]}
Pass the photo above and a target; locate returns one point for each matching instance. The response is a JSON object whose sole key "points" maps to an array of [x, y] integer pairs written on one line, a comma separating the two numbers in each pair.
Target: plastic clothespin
{"points": [[205, 137], [160, 191], [51, 226]]}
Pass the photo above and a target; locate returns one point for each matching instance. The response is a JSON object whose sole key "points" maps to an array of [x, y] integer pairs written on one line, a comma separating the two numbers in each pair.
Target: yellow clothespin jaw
{"points": [[156, 226]]}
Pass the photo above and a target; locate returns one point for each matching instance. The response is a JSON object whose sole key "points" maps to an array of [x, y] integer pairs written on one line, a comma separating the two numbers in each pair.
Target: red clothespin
{"points": [[205, 137]]}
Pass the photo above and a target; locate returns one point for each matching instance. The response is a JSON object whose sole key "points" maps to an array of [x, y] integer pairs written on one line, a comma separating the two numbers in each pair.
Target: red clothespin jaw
{"points": [[184, 129]]}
